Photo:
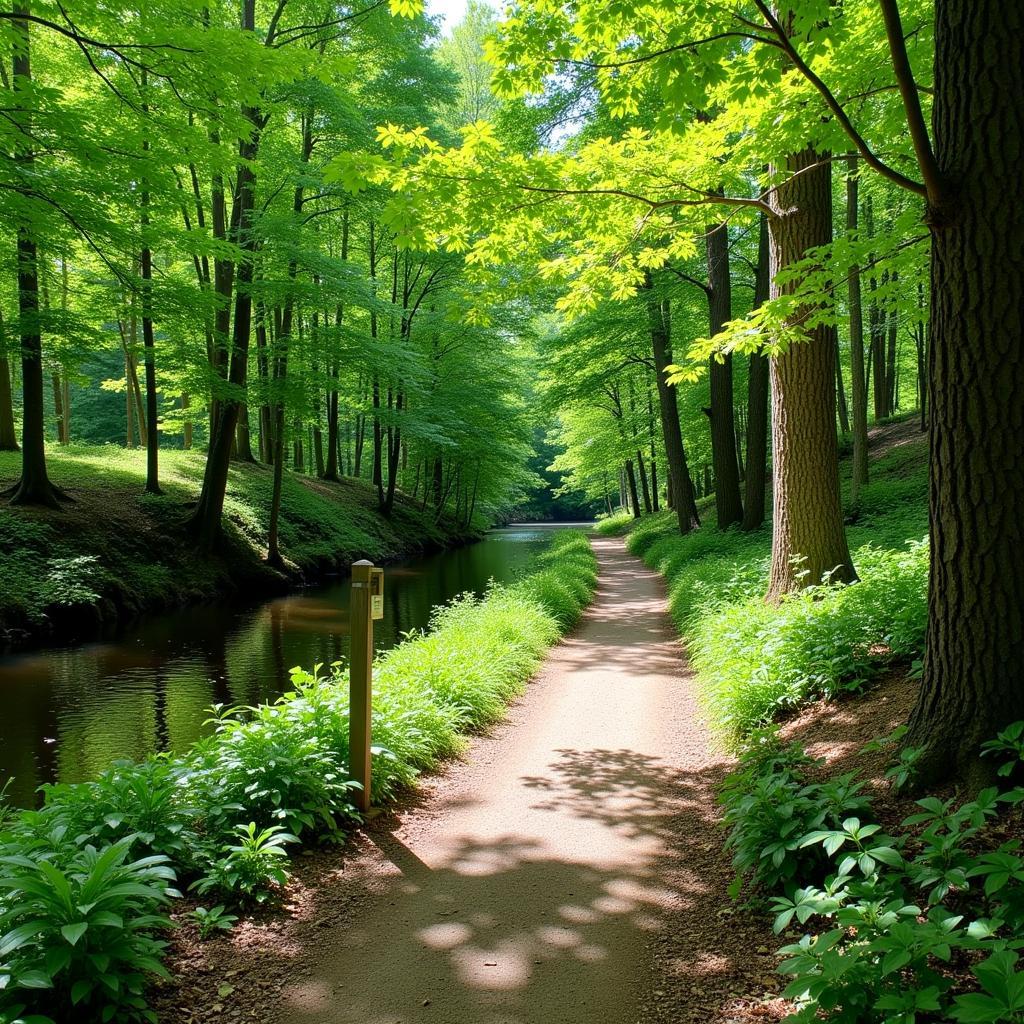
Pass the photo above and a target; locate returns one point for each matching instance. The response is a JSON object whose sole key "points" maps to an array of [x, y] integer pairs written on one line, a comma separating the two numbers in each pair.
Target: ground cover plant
{"points": [[923, 924], [85, 880], [755, 660]]}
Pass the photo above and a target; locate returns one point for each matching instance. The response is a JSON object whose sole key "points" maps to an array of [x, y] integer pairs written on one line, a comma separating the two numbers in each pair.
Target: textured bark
{"points": [[679, 483], [757, 403], [34, 487], [8, 437], [634, 497], [728, 501], [808, 538], [206, 520], [975, 647], [859, 394]]}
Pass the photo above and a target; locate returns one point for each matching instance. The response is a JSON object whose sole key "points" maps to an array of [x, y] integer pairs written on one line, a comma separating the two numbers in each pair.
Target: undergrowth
{"points": [[115, 551], [753, 660], [85, 880], [921, 925]]}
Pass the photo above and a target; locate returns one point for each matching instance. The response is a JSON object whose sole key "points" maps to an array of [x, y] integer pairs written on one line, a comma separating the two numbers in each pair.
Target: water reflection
{"points": [[66, 713]]}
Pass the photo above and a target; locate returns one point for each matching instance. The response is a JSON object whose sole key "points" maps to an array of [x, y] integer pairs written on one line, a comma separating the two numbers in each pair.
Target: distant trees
{"points": [[170, 211]]}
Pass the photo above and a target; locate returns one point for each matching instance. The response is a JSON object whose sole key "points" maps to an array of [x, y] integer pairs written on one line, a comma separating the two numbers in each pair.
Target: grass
{"points": [[116, 550], [613, 524], [220, 816], [754, 661]]}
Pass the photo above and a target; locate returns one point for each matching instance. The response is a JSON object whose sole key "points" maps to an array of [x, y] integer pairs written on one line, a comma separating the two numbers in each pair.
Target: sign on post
{"points": [[367, 604]]}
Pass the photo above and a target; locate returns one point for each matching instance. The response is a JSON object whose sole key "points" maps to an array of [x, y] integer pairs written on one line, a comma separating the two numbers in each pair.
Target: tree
{"points": [[975, 645]]}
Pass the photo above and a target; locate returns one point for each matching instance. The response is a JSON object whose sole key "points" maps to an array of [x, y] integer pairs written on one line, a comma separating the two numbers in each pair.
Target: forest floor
{"points": [[114, 551], [570, 870]]}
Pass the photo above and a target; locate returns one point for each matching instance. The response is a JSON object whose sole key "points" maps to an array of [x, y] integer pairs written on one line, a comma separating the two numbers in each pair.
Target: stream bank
{"points": [[115, 553]]}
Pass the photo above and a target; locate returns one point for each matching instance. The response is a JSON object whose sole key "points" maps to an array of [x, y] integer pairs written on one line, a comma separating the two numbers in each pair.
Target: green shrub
{"points": [[77, 929], [614, 523], [249, 868], [770, 809], [754, 660], [891, 918]]}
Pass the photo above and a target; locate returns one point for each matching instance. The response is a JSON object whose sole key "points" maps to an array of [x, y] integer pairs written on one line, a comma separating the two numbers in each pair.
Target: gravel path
{"points": [[570, 872]]}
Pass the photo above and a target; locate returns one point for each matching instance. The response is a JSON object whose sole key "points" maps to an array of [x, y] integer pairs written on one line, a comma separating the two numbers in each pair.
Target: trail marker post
{"points": [[366, 605]]}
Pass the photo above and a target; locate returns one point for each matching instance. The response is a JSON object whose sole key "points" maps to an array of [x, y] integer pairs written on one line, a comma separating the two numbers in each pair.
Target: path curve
{"points": [[571, 872]]}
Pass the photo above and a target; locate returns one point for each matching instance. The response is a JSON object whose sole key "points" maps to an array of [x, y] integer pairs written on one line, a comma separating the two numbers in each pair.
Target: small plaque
{"points": [[377, 606]]}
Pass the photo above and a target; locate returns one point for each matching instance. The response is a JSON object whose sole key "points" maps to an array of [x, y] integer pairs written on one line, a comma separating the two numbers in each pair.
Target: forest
{"points": [[288, 283]]}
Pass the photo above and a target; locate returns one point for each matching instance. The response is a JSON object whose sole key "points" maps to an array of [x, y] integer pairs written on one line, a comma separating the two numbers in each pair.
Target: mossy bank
{"points": [[114, 552]]}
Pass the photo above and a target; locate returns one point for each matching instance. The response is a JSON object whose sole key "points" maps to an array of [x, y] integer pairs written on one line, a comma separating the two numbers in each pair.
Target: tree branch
{"points": [[836, 107], [933, 180]]}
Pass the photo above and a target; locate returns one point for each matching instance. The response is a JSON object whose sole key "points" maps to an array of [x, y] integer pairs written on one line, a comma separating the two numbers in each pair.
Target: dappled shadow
{"points": [[499, 931], [838, 730]]}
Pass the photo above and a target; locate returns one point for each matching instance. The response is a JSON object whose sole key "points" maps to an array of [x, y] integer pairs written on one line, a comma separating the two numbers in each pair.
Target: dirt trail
{"points": [[570, 872]]}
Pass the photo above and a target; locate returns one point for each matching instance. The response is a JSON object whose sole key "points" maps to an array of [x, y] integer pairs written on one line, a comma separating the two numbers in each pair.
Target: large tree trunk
{"points": [[808, 539], [679, 483], [859, 394], [975, 648], [34, 487], [756, 474], [728, 502]]}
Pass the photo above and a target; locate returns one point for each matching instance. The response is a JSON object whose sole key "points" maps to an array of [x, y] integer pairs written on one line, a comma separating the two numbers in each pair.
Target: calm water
{"points": [[66, 713]]}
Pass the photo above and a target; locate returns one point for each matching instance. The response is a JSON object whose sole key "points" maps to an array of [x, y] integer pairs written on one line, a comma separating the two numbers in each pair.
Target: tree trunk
{"points": [[58, 406], [858, 383], [728, 502], [634, 496], [757, 402], [679, 482], [890, 361], [34, 487], [8, 437], [808, 539], [186, 423], [971, 685], [206, 520], [148, 342], [644, 484], [841, 406]]}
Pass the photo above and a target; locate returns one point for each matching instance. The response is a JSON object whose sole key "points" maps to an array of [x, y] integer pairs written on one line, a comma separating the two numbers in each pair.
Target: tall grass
{"points": [[753, 661]]}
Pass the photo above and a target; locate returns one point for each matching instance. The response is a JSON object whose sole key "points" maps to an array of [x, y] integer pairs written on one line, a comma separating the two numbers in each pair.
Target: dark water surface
{"points": [[67, 713]]}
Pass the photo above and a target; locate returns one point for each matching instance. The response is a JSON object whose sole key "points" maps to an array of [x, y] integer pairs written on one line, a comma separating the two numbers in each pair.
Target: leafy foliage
{"points": [[889, 917]]}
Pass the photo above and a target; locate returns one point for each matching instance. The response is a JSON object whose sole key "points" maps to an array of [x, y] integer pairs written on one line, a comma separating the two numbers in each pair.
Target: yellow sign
{"points": [[377, 594]]}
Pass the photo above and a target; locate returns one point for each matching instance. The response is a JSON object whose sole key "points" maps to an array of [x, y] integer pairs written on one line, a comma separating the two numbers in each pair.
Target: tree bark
{"points": [[8, 436], [858, 385], [680, 485], [757, 402], [808, 539], [34, 487], [634, 497], [148, 341], [728, 502], [971, 684]]}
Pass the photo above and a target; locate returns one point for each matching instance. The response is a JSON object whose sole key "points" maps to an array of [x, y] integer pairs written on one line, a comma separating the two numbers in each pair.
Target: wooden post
{"points": [[359, 680]]}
